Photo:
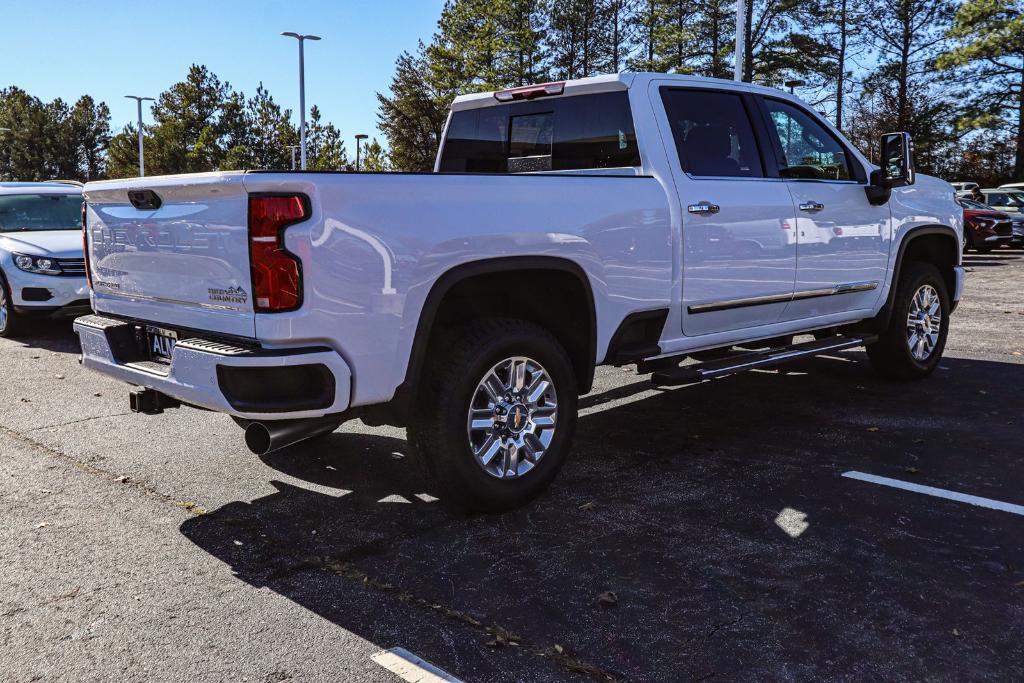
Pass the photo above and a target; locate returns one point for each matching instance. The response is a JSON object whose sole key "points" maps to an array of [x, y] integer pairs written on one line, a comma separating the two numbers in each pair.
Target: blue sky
{"points": [[110, 48]]}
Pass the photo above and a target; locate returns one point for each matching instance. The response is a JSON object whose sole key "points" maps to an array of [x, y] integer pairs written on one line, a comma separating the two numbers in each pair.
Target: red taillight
{"points": [[85, 248], [529, 92], [276, 274]]}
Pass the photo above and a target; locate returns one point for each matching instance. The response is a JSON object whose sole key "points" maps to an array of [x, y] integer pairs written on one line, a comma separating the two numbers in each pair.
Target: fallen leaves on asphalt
{"points": [[607, 599]]}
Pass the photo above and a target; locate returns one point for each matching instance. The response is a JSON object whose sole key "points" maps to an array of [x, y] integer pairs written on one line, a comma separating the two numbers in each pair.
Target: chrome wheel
{"points": [[512, 417], [924, 322]]}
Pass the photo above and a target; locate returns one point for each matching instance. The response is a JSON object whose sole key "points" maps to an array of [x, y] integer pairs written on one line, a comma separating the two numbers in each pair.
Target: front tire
{"points": [[912, 345], [495, 421], [11, 322]]}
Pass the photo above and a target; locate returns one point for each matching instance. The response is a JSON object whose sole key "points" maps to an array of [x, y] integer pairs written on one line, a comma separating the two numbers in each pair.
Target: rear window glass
{"points": [[549, 134], [40, 212]]}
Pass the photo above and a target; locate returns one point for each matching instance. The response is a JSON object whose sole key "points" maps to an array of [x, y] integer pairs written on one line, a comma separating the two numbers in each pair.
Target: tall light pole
{"points": [[359, 139], [302, 91], [741, 32], [293, 148], [142, 159]]}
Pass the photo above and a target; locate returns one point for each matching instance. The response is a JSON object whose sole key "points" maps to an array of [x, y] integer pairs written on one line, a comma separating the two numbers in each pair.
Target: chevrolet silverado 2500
{"points": [[627, 219]]}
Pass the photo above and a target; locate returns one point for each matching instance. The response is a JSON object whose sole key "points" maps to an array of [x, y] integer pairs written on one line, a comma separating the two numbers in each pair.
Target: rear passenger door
{"points": [[842, 239], [739, 250]]}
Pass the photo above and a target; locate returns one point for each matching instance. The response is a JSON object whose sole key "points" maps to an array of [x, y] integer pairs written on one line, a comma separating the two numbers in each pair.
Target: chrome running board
{"points": [[730, 365]]}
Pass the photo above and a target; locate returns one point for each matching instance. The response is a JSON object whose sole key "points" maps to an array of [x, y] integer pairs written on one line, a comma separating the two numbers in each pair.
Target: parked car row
{"points": [[993, 217]]}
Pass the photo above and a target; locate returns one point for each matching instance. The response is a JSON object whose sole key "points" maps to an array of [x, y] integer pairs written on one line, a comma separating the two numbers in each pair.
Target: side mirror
{"points": [[897, 167], [897, 159]]}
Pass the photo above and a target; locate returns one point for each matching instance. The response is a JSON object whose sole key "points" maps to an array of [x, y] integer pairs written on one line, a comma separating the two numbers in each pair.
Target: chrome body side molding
{"points": [[845, 288]]}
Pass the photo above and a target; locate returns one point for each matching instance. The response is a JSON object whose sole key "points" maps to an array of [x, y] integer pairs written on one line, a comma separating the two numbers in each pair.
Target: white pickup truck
{"points": [[625, 219]]}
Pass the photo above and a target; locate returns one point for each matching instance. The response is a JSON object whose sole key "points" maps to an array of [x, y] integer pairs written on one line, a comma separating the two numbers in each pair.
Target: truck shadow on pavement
{"points": [[50, 335], [704, 531]]}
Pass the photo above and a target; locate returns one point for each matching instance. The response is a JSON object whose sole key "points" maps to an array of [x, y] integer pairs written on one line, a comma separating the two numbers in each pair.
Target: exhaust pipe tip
{"points": [[257, 438], [263, 437]]}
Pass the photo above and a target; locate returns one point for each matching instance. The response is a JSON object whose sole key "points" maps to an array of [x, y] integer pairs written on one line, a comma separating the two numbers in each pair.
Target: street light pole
{"points": [[142, 160], [741, 32], [302, 91], [292, 148], [359, 138]]}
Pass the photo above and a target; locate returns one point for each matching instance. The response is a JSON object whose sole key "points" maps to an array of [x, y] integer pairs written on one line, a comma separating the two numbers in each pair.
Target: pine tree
{"points": [[988, 44], [908, 35], [89, 132], [374, 158], [413, 115], [325, 149]]}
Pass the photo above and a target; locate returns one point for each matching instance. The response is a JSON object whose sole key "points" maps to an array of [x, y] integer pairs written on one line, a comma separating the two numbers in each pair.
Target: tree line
{"points": [[199, 124], [950, 73]]}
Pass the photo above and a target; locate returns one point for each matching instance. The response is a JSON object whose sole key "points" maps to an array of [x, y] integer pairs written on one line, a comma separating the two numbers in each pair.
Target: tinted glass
{"points": [[560, 134], [712, 133], [1003, 199], [40, 212], [808, 149], [971, 204]]}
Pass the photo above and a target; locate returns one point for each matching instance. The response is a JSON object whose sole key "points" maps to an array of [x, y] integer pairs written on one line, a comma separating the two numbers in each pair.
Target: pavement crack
{"points": [[72, 422], [121, 480], [498, 636]]}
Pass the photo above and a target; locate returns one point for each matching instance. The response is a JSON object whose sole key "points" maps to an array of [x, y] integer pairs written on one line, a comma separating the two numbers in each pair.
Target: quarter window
{"points": [[808, 150], [712, 133]]}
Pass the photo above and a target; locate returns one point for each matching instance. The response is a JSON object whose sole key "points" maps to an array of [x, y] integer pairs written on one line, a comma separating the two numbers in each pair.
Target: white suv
{"points": [[42, 267]]}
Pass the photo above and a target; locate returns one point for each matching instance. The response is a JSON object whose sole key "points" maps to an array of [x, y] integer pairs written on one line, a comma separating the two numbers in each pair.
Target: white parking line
{"points": [[409, 667], [938, 493]]}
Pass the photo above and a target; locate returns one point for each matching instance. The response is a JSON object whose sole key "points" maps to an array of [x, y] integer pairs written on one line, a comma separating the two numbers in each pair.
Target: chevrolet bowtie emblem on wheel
{"points": [[517, 419]]}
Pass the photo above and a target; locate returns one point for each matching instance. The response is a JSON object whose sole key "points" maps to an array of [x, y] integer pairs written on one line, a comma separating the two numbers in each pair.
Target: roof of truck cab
{"points": [[622, 81], [39, 188]]}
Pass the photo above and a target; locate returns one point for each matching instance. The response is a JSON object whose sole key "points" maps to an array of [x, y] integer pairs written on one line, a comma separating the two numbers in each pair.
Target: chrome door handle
{"points": [[703, 208], [811, 206]]}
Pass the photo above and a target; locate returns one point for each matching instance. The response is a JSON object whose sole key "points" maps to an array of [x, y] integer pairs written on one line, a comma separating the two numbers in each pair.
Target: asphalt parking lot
{"points": [[713, 519]]}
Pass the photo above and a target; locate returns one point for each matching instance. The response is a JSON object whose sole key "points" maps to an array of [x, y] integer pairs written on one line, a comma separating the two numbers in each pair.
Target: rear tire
{"points": [[496, 414], [912, 345], [11, 323]]}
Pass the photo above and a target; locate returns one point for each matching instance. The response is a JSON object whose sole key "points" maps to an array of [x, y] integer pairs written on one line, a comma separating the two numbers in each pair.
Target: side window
{"points": [[809, 150], [712, 133], [558, 134]]}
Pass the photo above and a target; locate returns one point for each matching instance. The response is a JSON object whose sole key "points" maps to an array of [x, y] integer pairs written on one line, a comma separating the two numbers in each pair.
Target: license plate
{"points": [[161, 343]]}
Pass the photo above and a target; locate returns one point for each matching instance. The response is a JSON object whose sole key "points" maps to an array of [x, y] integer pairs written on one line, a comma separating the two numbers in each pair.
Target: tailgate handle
{"points": [[144, 199]]}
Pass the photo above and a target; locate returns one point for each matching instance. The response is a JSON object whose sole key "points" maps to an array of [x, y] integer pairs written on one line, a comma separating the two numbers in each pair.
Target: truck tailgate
{"points": [[184, 264]]}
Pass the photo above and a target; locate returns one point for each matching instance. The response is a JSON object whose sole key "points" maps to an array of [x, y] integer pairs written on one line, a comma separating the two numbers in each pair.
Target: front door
{"points": [[842, 240], [739, 247]]}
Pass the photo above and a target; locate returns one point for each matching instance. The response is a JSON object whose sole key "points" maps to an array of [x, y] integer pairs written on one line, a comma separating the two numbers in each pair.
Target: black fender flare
{"points": [[399, 405], [881, 321]]}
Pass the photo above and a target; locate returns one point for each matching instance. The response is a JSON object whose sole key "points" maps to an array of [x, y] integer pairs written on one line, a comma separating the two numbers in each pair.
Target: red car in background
{"points": [[984, 227]]}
